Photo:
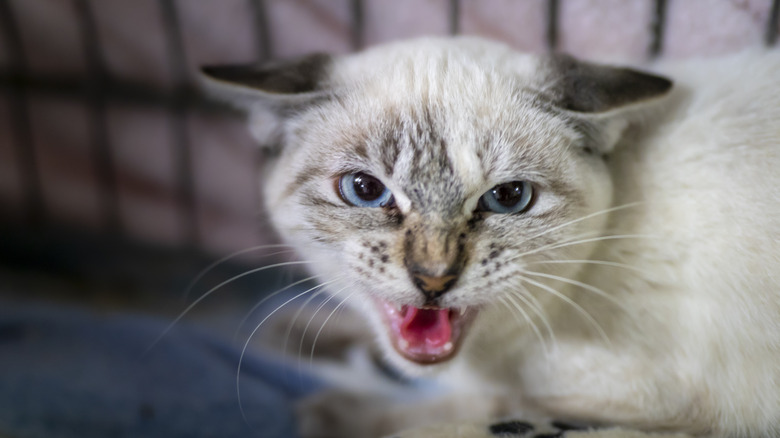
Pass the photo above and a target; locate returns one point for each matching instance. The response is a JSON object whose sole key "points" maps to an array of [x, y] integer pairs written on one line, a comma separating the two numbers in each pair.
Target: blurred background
{"points": [[120, 182]]}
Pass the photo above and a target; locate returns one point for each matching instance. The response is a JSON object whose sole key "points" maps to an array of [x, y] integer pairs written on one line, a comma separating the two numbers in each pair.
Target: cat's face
{"points": [[431, 184]]}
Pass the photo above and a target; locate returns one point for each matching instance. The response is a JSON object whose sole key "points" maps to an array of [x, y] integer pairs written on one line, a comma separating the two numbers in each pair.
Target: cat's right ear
{"points": [[270, 92]]}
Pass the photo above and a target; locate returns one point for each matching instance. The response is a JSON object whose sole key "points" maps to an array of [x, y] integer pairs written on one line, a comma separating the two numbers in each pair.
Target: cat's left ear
{"points": [[270, 92], [604, 95]]}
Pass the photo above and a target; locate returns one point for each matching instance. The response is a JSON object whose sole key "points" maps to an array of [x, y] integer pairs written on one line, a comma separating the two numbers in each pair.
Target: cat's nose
{"points": [[433, 286]]}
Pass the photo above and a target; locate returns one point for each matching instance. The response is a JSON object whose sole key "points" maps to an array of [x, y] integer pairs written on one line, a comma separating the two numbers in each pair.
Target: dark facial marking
{"points": [[566, 426], [510, 428]]}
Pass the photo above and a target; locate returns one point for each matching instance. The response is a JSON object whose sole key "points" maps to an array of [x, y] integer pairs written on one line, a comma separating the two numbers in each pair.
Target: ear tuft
{"points": [[591, 88]]}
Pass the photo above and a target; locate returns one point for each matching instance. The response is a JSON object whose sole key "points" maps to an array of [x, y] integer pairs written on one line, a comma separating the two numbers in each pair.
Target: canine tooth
{"points": [[448, 346], [462, 311], [403, 344]]}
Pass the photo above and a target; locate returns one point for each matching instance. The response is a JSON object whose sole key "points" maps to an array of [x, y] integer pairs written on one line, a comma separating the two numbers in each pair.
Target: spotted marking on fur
{"points": [[511, 428]]}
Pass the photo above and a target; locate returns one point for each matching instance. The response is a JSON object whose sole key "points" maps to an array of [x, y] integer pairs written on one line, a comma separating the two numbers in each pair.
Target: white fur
{"points": [[691, 334]]}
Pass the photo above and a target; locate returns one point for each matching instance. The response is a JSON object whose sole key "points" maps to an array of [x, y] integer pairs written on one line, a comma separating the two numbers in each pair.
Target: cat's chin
{"points": [[428, 335]]}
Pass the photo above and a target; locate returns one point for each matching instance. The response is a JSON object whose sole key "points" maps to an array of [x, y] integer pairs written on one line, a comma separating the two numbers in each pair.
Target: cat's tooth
{"points": [[462, 311], [403, 344], [448, 346]]}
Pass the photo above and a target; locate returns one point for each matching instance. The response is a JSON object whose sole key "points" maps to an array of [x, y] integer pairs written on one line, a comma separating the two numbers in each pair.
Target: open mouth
{"points": [[426, 335]]}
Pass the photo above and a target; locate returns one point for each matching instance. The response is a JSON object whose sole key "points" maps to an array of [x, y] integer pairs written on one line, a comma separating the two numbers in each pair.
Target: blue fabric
{"points": [[72, 373]]}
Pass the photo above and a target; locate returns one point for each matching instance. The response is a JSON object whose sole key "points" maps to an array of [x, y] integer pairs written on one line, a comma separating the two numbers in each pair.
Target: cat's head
{"points": [[431, 181]]}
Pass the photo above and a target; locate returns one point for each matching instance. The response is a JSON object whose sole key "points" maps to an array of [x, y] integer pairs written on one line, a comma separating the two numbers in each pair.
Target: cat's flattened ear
{"points": [[589, 88], [270, 93], [276, 85]]}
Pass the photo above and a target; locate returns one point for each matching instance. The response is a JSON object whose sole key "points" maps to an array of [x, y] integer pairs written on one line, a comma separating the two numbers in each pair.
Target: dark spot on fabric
{"points": [[11, 332], [370, 263], [360, 256], [383, 245], [484, 262], [381, 269], [493, 254], [385, 258], [375, 249], [566, 426], [549, 435], [146, 411], [510, 428]]}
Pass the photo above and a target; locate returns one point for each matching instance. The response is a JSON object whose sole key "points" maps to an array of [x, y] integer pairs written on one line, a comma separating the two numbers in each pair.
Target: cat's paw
{"points": [[500, 429], [525, 429]]}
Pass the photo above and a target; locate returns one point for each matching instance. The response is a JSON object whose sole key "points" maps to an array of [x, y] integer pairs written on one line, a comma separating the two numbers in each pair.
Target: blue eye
{"points": [[507, 198], [363, 190]]}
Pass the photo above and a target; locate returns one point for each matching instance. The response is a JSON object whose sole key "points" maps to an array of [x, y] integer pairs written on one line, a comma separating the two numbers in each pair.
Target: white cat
{"points": [[555, 239]]}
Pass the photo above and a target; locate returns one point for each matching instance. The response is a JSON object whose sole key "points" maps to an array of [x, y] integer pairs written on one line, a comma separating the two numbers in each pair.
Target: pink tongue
{"points": [[426, 327]]}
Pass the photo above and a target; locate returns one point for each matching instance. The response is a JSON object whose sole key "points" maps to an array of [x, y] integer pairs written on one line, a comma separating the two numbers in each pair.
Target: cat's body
{"points": [[660, 210]]}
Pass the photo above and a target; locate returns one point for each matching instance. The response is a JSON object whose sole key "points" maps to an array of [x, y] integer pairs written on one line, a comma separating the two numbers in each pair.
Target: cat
{"points": [[552, 238]]}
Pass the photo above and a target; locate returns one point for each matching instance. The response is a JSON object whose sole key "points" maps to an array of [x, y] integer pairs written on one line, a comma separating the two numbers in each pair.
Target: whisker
{"points": [[314, 315], [582, 241], [317, 336], [586, 217], [251, 335], [213, 265], [212, 290], [591, 262], [584, 235], [506, 300], [585, 286], [608, 237], [532, 303], [262, 301], [569, 301]]}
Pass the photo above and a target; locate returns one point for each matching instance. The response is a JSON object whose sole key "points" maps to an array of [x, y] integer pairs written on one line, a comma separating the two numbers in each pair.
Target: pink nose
{"points": [[432, 287]]}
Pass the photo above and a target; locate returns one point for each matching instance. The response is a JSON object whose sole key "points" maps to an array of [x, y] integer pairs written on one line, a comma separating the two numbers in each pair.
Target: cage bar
{"points": [[35, 209], [262, 29], [96, 82], [454, 17], [657, 27], [552, 25], [772, 23], [182, 143]]}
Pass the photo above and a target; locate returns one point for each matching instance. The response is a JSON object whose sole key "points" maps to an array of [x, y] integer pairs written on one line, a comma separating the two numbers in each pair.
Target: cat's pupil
{"points": [[508, 194], [367, 187]]}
